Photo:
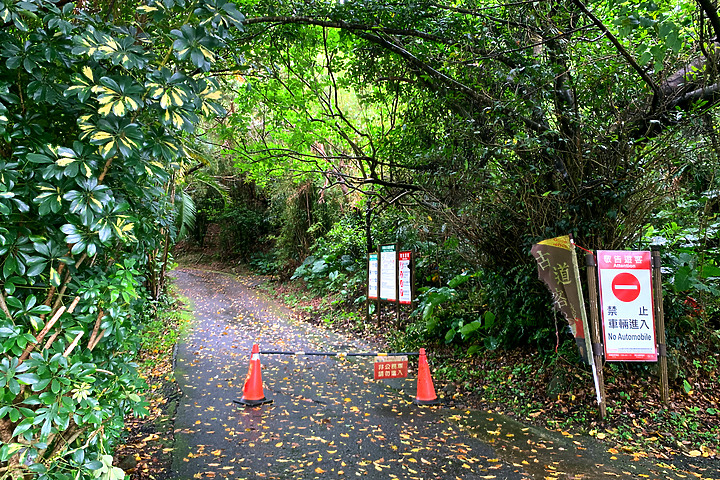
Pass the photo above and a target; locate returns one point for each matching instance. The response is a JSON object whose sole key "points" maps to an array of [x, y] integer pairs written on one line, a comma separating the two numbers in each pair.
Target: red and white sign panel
{"points": [[404, 278], [626, 303], [390, 367]]}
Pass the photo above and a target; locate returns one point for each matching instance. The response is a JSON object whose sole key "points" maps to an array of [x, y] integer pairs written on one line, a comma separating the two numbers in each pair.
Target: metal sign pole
{"points": [[412, 280]]}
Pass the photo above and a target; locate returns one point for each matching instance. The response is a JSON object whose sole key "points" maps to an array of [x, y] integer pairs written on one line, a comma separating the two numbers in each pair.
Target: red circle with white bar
{"points": [[626, 287]]}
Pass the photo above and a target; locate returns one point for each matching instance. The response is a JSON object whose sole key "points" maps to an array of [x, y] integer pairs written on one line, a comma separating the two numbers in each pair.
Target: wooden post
{"points": [[660, 324], [597, 348]]}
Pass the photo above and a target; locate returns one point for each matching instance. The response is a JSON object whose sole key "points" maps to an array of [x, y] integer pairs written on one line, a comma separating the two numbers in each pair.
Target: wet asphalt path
{"points": [[329, 419]]}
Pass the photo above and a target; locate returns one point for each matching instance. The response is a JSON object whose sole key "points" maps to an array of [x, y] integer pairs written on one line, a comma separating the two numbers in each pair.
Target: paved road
{"points": [[329, 419]]}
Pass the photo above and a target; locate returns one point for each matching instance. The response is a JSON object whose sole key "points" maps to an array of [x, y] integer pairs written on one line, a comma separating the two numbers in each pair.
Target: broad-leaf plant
{"points": [[95, 104]]}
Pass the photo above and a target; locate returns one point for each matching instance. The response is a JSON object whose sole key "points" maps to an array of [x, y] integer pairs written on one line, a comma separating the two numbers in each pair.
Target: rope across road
{"points": [[253, 394]]}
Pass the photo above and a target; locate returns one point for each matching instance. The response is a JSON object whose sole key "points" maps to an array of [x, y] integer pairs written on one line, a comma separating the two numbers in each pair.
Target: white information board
{"points": [[373, 276], [388, 273], [626, 304]]}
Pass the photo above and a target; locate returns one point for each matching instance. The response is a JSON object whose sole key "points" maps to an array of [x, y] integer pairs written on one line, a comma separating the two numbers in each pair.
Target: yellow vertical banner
{"points": [[558, 269]]}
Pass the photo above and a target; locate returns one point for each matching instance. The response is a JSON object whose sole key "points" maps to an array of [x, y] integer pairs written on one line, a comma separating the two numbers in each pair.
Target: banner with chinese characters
{"points": [[558, 268], [626, 304]]}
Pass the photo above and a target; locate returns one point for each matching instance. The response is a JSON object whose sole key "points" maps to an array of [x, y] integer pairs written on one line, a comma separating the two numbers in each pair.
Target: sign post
{"points": [[660, 324], [594, 325], [390, 278], [397, 285], [378, 302], [626, 303]]}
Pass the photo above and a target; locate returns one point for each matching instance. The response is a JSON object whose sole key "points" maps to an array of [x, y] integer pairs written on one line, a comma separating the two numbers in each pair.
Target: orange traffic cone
{"points": [[425, 389], [253, 390]]}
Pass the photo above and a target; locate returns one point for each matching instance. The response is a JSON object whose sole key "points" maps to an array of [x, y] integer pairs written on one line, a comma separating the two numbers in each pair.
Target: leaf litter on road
{"points": [[329, 420]]}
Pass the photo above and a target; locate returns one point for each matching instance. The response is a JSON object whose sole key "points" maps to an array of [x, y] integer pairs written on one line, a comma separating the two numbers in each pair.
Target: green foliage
{"points": [[187, 213], [210, 200], [689, 237], [161, 329], [455, 314], [522, 306], [656, 28], [93, 115], [494, 128], [300, 218], [264, 263], [241, 230], [339, 261]]}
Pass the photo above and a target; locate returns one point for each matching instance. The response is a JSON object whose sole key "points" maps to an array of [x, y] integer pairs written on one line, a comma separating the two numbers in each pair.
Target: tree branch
{"points": [[710, 10], [481, 99], [3, 305], [351, 27], [41, 335], [657, 94]]}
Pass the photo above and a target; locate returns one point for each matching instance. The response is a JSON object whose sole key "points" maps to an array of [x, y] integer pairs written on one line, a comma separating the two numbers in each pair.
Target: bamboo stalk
{"points": [[61, 292], [66, 281], [51, 292], [51, 339], [74, 303], [92, 345], [106, 168]]}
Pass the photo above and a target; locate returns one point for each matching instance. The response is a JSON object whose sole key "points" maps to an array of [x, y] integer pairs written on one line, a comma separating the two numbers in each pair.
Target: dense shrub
{"points": [[242, 230], [91, 118], [339, 260]]}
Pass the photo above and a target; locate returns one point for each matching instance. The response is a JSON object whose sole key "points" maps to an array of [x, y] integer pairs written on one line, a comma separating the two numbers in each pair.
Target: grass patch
{"points": [[160, 333]]}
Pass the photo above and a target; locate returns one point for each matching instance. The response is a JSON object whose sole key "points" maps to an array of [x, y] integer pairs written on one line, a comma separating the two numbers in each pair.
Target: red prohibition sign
{"points": [[626, 287]]}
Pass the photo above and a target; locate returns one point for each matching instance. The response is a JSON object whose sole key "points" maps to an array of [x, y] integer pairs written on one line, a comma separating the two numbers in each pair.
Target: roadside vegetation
{"points": [[147, 441], [541, 381], [97, 102]]}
